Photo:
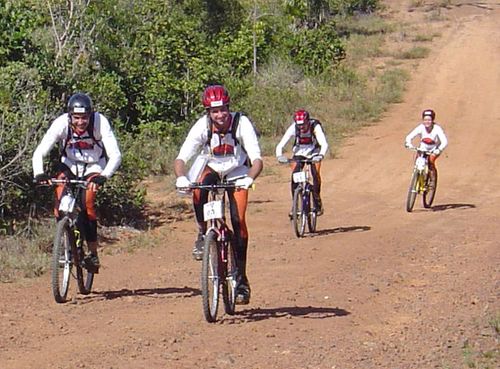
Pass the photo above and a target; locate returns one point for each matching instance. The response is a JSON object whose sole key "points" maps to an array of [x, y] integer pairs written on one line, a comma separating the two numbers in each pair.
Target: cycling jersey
{"points": [[82, 154], [435, 139], [308, 144], [222, 149]]}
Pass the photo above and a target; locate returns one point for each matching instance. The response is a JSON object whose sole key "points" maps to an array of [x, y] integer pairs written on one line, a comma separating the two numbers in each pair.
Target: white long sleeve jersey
{"points": [[428, 140], [304, 150], [83, 155], [245, 146]]}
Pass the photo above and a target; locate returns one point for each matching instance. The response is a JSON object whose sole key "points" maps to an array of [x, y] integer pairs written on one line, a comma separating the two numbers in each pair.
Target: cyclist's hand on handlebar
{"points": [[244, 182], [42, 179], [409, 146], [282, 159], [95, 182], [99, 180], [436, 152], [317, 158], [182, 182]]}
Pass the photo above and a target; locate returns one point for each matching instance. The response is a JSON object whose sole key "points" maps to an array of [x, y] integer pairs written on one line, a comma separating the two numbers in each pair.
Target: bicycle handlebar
{"points": [[53, 181], [299, 160], [214, 186], [427, 152]]}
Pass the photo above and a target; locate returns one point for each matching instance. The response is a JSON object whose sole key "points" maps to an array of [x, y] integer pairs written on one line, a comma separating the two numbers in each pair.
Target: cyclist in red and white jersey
{"points": [[432, 137], [88, 150], [310, 143], [229, 143]]}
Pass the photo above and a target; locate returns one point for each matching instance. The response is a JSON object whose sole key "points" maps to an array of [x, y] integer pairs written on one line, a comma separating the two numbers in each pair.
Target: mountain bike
{"points": [[219, 272], [69, 247], [304, 207], [423, 181]]}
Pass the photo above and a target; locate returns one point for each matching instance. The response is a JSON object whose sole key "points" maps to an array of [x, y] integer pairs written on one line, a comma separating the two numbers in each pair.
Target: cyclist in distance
{"points": [[89, 150], [310, 143], [222, 135], [432, 138]]}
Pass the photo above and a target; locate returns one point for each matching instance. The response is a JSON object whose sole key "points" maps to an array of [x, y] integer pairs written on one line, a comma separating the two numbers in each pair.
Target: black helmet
{"points": [[80, 103]]}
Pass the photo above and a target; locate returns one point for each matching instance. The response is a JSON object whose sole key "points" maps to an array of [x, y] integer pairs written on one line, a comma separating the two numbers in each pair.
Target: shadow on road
{"points": [[325, 232], [452, 206], [142, 292], [308, 312]]}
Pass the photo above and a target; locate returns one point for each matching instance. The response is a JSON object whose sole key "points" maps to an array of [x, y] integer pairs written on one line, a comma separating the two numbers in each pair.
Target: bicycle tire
{"points": [[298, 215], [230, 280], [430, 192], [412, 192], [61, 260], [210, 281], [84, 277], [312, 215]]}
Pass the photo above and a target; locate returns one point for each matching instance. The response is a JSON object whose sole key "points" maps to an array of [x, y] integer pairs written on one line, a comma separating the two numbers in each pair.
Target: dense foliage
{"points": [[145, 64]]}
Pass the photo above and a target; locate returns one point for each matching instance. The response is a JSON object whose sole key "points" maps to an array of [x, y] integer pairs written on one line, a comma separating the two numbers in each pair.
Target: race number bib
{"points": [[67, 203], [213, 210], [299, 177]]}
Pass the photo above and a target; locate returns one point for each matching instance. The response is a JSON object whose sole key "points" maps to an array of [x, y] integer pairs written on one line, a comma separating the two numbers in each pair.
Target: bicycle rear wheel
{"points": [[298, 215], [431, 187], [61, 260], [229, 283], [84, 277], [311, 212], [412, 192], [210, 281]]}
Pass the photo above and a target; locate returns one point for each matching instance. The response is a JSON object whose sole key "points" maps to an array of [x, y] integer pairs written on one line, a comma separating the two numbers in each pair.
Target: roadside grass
{"points": [[22, 257], [416, 52], [484, 352]]}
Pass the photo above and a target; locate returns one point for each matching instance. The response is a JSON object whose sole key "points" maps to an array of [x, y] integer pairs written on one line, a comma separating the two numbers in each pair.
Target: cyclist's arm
{"points": [[256, 168], [443, 140], [248, 137], [321, 138], [56, 133], [414, 133], [195, 140], [111, 146], [290, 132]]}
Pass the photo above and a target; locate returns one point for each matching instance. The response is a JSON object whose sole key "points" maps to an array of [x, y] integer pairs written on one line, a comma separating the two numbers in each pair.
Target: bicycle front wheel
{"points": [[229, 283], [84, 277], [430, 191], [312, 215], [298, 215], [61, 260], [210, 280], [412, 192]]}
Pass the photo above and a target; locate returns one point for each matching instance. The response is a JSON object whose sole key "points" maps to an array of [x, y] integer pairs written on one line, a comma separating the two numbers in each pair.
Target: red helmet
{"points": [[215, 96], [428, 113], [301, 117]]}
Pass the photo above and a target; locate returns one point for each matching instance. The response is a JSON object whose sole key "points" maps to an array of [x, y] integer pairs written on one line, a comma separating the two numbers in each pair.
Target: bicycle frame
{"points": [[68, 242], [223, 262], [305, 211], [421, 182]]}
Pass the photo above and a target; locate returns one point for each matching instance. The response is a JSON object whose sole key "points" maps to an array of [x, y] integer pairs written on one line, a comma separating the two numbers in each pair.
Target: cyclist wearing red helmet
{"points": [[432, 137], [229, 146], [310, 142]]}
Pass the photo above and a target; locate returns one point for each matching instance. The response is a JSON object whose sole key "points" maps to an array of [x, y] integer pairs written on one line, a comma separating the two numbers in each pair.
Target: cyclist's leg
{"points": [[63, 172], [432, 166], [238, 201], [89, 223], [200, 197], [316, 173], [296, 167]]}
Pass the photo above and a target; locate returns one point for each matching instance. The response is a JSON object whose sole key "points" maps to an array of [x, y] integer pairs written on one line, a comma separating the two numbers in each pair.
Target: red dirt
{"points": [[375, 288]]}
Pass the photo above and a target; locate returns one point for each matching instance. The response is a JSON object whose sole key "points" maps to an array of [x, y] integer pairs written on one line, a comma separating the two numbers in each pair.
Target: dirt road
{"points": [[376, 287]]}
